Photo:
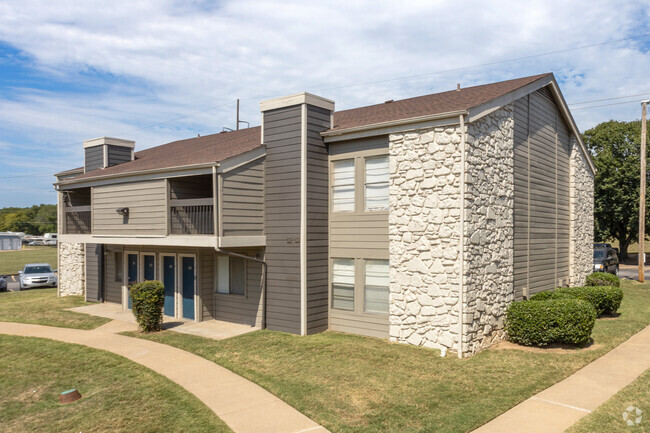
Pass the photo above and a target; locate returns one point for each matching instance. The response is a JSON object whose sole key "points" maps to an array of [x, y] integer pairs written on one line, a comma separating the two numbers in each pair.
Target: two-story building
{"points": [[417, 220]]}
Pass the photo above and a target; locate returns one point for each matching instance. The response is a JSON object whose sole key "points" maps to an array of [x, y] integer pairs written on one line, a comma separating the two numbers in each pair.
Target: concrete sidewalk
{"points": [[243, 405], [557, 408]]}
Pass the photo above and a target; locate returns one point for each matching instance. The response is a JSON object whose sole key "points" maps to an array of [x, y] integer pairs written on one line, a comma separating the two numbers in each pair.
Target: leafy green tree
{"points": [[34, 220], [615, 147]]}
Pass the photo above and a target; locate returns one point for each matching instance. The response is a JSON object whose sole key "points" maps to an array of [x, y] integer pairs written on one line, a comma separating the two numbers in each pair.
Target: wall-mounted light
{"points": [[122, 211]]}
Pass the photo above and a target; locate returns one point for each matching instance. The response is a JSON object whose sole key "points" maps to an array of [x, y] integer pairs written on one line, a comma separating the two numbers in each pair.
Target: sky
{"points": [[156, 71]]}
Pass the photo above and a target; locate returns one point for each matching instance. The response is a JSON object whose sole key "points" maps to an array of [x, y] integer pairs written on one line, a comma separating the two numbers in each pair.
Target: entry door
{"points": [[132, 270], [169, 281], [188, 283]]}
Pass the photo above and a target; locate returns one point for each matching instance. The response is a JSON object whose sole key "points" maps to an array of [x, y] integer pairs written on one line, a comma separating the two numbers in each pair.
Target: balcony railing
{"points": [[192, 216], [77, 220]]}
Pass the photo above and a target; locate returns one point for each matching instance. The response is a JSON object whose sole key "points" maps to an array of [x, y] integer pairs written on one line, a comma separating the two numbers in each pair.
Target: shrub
{"points": [[549, 294], [147, 300], [603, 279], [604, 299], [566, 320]]}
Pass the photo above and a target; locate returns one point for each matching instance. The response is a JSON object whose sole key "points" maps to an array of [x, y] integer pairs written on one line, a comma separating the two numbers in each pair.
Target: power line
{"points": [[605, 105], [610, 99]]}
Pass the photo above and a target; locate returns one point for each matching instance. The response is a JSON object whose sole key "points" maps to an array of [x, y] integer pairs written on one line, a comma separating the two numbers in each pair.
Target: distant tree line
{"points": [[34, 220]]}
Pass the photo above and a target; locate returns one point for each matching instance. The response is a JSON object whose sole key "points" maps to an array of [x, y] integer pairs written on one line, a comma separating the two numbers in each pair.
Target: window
{"points": [[343, 284], [231, 275], [376, 286], [118, 266], [149, 268], [376, 191], [343, 186]]}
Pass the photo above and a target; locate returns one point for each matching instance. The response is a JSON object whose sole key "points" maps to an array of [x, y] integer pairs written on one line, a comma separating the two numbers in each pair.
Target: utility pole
{"points": [[641, 260], [237, 114]]}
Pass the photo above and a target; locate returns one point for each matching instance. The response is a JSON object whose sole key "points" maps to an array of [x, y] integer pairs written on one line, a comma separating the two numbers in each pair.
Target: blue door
{"points": [[169, 280], [149, 270], [188, 287], [132, 267]]}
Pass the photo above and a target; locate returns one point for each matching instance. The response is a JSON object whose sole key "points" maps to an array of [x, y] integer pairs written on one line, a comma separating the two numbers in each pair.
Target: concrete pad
{"points": [[243, 405]]}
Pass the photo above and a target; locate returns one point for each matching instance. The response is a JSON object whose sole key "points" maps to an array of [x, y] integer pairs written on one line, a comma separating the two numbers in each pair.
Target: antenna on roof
{"points": [[241, 121]]}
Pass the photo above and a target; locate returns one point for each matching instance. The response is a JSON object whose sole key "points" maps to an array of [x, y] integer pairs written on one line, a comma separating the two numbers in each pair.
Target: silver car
{"points": [[37, 275]]}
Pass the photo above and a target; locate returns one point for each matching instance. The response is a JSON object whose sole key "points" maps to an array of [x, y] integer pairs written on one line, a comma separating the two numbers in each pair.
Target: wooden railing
{"points": [[77, 220], [191, 216]]}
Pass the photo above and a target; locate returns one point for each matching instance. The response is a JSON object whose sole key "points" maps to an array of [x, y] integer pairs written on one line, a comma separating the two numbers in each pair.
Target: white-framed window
{"points": [[231, 275], [343, 186], [376, 183], [343, 284], [376, 286]]}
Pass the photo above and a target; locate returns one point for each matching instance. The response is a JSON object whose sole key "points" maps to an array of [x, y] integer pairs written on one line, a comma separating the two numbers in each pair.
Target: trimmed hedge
{"points": [[568, 321], [603, 279], [147, 299], [549, 294], [604, 299]]}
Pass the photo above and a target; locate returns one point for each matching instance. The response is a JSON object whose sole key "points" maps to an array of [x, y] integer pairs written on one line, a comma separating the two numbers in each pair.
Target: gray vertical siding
{"points": [[207, 283], [94, 272], [318, 120], [282, 132], [94, 158], [118, 155], [242, 200], [541, 220], [113, 288], [146, 202]]}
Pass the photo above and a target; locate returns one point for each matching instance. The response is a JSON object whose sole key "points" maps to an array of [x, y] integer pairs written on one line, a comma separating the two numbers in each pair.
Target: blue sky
{"points": [[157, 71]]}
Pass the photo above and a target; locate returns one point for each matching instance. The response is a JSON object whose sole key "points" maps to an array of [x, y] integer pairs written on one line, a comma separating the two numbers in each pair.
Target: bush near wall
{"points": [[564, 320], [606, 300], [603, 279], [147, 299]]}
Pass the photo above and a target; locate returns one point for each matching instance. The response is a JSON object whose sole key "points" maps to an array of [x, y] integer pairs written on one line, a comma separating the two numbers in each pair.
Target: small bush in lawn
{"points": [[603, 279], [549, 294], [604, 299], [147, 299], [568, 321]]}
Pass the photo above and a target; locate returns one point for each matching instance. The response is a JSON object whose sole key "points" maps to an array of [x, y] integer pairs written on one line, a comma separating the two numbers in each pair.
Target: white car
{"points": [[37, 275]]}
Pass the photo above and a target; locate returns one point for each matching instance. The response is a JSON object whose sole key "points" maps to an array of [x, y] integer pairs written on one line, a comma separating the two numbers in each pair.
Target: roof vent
{"points": [[389, 101], [458, 87]]}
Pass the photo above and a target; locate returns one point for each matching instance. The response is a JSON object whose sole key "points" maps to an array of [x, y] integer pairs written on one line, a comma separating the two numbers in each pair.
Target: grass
{"points": [[43, 307], [609, 416], [357, 384], [118, 395], [13, 261]]}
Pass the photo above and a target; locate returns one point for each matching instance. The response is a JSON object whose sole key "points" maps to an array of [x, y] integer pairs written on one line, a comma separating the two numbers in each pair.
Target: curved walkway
{"points": [[243, 405]]}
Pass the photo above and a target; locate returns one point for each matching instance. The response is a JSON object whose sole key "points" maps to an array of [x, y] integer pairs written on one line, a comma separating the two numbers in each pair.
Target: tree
{"points": [[615, 147]]}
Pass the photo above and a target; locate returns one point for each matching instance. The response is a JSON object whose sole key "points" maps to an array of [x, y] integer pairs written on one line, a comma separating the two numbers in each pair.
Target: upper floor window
{"points": [[376, 188], [343, 186]]}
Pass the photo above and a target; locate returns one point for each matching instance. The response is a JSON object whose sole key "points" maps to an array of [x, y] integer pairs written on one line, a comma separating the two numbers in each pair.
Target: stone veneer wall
{"points": [[71, 269], [582, 216], [489, 234], [424, 227]]}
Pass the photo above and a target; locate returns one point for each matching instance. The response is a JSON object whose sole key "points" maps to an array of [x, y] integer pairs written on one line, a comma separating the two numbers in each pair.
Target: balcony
{"points": [[191, 216], [77, 220]]}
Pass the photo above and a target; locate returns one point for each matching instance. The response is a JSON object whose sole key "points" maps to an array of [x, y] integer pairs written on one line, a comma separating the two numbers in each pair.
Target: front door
{"points": [[188, 287], [132, 270], [169, 281]]}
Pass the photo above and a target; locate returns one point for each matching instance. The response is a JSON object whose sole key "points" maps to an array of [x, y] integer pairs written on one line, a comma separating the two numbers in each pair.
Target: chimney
{"points": [[105, 152]]}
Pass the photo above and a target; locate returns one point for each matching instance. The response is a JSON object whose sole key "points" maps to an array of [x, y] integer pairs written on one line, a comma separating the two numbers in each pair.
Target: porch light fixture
{"points": [[122, 211]]}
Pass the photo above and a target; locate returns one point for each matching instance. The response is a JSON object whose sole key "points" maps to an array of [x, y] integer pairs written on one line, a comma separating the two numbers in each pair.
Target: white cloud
{"points": [[142, 63]]}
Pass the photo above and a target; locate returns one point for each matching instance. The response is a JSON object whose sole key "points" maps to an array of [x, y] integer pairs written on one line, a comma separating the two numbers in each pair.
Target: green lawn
{"points": [[118, 395], [13, 261], [609, 416], [356, 384], [42, 307]]}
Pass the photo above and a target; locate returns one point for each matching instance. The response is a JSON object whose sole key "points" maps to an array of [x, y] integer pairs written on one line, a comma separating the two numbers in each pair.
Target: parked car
{"points": [[3, 283], [605, 260], [37, 275]]}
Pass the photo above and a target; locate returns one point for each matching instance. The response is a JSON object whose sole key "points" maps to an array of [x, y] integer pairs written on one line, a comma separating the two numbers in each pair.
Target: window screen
{"points": [[376, 286], [377, 175], [343, 284], [343, 186]]}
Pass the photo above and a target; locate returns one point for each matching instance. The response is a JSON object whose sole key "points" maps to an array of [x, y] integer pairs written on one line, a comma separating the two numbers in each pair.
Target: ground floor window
{"points": [[360, 285], [231, 275]]}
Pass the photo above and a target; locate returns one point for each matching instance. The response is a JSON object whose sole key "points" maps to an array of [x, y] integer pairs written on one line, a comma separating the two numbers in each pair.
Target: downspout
{"points": [[461, 297], [303, 220], [216, 179]]}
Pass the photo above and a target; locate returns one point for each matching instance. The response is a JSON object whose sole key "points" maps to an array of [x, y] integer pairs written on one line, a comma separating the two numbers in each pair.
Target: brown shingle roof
{"points": [[192, 151], [437, 103]]}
